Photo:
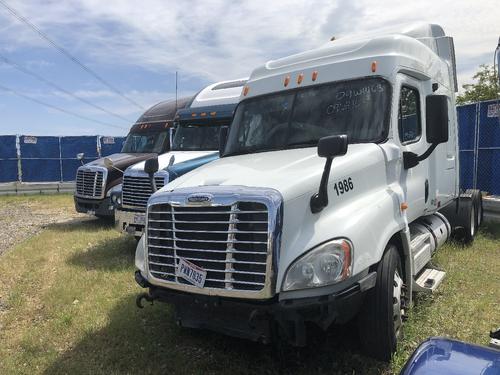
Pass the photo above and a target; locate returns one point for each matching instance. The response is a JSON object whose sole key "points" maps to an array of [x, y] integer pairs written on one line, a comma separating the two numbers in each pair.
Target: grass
{"points": [[67, 305]]}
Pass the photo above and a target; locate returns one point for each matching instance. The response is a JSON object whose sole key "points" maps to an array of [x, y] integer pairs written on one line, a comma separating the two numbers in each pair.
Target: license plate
{"points": [[191, 272], [140, 219]]}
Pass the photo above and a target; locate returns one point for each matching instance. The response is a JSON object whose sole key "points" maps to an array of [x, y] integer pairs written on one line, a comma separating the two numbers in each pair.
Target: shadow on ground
{"points": [[113, 254], [148, 341], [87, 224]]}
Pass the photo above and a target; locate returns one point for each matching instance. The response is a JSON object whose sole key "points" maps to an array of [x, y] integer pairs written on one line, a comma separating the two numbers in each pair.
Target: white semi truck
{"points": [[338, 181]]}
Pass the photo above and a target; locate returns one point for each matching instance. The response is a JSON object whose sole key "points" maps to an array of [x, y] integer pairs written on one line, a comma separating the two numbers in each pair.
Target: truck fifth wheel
{"points": [[325, 204]]}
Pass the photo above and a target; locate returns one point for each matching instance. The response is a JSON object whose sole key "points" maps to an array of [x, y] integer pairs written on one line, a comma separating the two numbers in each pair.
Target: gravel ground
{"points": [[21, 220]]}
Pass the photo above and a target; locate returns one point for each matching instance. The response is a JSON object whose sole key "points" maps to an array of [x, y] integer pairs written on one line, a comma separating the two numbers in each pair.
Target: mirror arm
{"points": [[320, 199], [410, 159]]}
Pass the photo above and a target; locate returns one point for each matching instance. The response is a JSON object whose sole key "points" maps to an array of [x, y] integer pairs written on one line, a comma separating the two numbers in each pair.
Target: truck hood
{"points": [[164, 159], [121, 160], [292, 172]]}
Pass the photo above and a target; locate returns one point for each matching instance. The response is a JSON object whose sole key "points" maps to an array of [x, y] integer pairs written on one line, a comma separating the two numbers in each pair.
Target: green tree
{"points": [[486, 87]]}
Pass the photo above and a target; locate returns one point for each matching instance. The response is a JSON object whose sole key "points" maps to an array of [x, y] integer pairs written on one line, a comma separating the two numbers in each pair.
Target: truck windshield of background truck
{"points": [[299, 118], [146, 142], [196, 137]]}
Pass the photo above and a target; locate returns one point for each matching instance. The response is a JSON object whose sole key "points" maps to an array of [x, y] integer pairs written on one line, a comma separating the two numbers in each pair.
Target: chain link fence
{"points": [[25, 158]]}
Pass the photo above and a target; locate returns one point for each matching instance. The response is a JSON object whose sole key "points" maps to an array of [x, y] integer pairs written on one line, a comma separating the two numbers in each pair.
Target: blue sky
{"points": [[138, 46]]}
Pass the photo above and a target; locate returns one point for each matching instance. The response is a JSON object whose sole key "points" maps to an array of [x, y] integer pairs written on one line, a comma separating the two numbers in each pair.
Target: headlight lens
{"points": [[326, 264]]}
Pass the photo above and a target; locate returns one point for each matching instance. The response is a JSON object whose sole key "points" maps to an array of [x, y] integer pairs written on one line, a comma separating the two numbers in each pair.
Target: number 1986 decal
{"points": [[343, 186]]}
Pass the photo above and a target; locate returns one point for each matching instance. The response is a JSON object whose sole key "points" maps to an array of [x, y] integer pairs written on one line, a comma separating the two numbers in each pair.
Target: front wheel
{"points": [[381, 317]]}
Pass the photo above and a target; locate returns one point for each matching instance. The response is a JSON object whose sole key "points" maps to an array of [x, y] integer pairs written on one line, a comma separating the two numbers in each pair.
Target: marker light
{"points": [[213, 113], [300, 77], [287, 81], [374, 66], [203, 114], [245, 90], [314, 75], [193, 114], [404, 206]]}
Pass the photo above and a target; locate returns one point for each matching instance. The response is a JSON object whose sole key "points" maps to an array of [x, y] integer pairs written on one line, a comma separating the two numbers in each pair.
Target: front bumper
{"points": [[97, 207], [130, 222], [263, 320]]}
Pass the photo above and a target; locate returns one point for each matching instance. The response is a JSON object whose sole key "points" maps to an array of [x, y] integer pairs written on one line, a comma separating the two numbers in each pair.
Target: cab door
{"points": [[411, 138]]}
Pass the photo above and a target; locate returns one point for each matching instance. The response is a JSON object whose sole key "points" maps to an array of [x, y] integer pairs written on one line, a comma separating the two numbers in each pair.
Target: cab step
{"points": [[429, 280]]}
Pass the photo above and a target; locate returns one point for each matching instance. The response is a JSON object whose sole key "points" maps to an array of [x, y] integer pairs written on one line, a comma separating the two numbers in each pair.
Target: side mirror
{"points": [[224, 131], [436, 118], [151, 166], [80, 156], [331, 146], [328, 147]]}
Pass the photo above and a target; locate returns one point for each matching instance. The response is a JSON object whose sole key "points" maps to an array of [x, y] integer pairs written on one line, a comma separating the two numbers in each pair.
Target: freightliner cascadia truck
{"points": [[150, 135], [338, 181], [197, 131]]}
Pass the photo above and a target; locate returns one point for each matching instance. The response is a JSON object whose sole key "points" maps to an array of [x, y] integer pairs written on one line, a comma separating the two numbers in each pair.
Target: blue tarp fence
{"points": [[27, 158], [479, 137]]}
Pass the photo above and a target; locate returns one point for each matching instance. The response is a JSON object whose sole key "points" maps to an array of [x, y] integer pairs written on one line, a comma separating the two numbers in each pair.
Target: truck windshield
{"points": [[299, 118], [145, 142], [196, 137]]}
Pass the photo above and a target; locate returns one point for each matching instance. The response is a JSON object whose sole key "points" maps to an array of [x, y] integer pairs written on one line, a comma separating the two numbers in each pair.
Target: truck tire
{"points": [[477, 200], [470, 221], [380, 319]]}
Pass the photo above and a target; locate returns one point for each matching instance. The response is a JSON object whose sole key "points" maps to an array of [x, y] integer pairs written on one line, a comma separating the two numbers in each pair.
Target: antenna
{"points": [[176, 91]]}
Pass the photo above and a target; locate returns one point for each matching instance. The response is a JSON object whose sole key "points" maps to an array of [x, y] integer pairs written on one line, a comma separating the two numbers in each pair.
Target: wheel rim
{"points": [[473, 221], [397, 315]]}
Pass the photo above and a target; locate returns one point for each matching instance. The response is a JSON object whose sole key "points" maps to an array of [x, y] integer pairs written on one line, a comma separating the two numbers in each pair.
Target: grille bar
{"points": [[90, 183], [230, 242], [136, 190]]}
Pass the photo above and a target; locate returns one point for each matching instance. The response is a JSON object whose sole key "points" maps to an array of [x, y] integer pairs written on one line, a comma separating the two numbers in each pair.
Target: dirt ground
{"points": [[21, 218]]}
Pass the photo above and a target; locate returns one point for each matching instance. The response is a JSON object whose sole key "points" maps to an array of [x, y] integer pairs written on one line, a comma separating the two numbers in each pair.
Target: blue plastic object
{"points": [[442, 356]]}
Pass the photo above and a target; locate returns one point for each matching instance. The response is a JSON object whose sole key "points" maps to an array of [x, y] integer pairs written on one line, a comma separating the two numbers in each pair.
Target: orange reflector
{"points": [[213, 113], [404, 206], [245, 90], [300, 77], [193, 114], [202, 114], [287, 81], [374, 66], [314, 75]]}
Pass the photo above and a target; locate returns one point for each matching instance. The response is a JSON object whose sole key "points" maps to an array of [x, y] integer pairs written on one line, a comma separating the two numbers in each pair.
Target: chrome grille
{"points": [[230, 242], [136, 190], [90, 183]]}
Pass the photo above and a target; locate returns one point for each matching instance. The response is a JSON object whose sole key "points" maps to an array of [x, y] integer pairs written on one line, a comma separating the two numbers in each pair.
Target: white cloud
{"points": [[221, 39]]}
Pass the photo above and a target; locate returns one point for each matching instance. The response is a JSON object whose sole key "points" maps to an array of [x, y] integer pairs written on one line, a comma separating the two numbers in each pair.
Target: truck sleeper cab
{"points": [[150, 135], [196, 142], [325, 202]]}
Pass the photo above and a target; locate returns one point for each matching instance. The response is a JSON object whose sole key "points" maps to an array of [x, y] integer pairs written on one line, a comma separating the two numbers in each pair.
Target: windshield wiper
{"points": [[310, 142]]}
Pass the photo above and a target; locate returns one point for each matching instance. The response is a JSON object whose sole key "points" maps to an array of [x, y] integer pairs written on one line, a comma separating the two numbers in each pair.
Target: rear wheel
{"points": [[381, 318]]}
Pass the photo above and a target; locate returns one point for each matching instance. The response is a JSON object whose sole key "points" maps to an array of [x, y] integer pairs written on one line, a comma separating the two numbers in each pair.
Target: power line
{"points": [[49, 83], [7, 89], [66, 53]]}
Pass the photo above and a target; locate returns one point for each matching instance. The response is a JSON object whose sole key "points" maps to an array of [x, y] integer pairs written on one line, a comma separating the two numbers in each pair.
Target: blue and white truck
{"points": [[195, 142]]}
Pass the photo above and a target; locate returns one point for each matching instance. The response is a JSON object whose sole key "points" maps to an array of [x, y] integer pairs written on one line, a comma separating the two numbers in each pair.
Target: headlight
{"points": [[326, 264], [115, 194]]}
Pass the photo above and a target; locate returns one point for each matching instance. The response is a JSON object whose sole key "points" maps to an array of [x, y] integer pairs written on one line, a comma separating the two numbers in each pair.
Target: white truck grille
{"points": [[90, 183], [231, 242], [136, 191]]}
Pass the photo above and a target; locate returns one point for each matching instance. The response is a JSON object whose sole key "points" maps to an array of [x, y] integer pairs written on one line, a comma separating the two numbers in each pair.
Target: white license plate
{"points": [[140, 219], [191, 272]]}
